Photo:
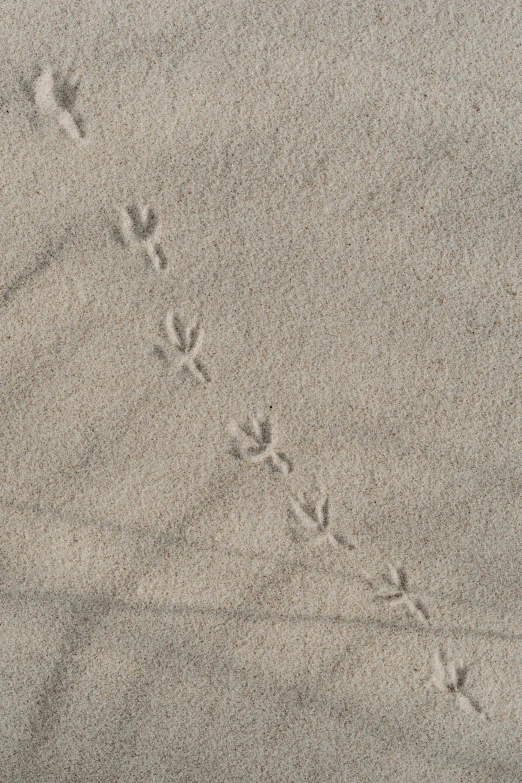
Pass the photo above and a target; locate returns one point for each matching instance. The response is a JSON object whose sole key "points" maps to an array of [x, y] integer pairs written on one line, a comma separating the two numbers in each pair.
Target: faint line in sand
{"points": [[443, 632]]}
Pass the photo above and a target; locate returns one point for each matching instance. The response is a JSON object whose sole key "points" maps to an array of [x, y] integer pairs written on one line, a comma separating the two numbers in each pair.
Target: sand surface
{"points": [[338, 188]]}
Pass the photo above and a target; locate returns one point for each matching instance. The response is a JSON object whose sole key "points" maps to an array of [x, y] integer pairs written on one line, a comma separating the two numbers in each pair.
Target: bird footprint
{"points": [[187, 341], [449, 678], [256, 442], [55, 96], [314, 517], [393, 587], [141, 225]]}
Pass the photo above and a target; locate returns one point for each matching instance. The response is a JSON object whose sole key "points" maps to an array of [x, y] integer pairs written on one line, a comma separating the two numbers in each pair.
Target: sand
{"points": [[260, 318]]}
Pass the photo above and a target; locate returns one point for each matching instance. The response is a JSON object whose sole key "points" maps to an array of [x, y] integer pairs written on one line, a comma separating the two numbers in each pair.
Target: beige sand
{"points": [[325, 196]]}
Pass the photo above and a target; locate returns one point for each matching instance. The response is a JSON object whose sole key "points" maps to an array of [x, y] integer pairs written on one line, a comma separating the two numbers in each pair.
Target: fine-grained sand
{"points": [[297, 220]]}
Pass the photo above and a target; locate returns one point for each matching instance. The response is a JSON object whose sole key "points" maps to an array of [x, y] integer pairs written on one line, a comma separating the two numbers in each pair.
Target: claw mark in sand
{"points": [[256, 442], [141, 225], [314, 517], [187, 340], [55, 96], [449, 678], [394, 588]]}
